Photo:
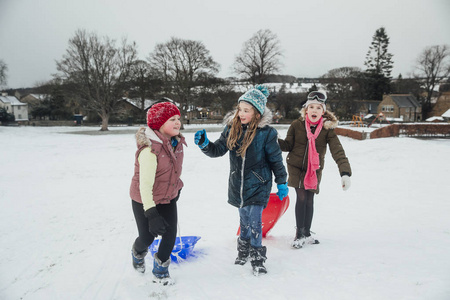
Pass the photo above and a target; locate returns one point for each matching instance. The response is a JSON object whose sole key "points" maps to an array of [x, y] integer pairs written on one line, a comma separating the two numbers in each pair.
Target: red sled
{"points": [[272, 213]]}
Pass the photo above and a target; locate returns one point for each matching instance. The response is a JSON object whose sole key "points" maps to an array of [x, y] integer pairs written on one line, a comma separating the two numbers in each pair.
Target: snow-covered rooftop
{"points": [[11, 100], [446, 114]]}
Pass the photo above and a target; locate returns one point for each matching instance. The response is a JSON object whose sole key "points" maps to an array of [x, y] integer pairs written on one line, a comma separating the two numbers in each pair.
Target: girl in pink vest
{"points": [[155, 187]]}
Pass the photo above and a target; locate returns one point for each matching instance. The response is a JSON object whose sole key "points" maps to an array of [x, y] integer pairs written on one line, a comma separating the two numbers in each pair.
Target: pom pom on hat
{"points": [[159, 113], [256, 96]]}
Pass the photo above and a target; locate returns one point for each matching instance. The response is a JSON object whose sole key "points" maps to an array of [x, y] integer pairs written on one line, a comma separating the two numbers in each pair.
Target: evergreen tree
{"points": [[5, 116], [3, 69], [379, 66]]}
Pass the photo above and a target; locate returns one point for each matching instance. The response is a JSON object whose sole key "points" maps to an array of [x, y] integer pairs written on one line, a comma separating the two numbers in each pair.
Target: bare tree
{"points": [[144, 83], [3, 69], [433, 66], [259, 57], [344, 87], [406, 86], [342, 82], [183, 65], [99, 71], [288, 104]]}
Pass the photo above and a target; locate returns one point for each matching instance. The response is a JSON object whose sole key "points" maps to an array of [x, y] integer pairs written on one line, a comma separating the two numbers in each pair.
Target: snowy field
{"points": [[67, 226]]}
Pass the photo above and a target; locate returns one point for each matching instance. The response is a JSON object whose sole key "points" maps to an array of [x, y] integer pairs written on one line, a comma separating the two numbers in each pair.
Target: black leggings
{"points": [[145, 238], [304, 209]]}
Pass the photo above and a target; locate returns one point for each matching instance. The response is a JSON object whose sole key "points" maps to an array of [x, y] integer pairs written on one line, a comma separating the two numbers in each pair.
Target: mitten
{"points": [[346, 182], [156, 224], [200, 139], [282, 191]]}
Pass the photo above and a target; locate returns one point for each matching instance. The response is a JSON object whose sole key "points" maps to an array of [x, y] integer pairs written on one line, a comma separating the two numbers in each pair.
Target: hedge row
{"points": [[418, 130]]}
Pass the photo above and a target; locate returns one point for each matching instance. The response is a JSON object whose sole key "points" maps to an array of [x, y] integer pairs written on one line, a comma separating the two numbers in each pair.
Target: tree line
{"points": [[96, 72]]}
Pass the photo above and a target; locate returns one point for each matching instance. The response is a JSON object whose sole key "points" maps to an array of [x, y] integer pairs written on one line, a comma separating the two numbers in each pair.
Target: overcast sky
{"points": [[316, 35]]}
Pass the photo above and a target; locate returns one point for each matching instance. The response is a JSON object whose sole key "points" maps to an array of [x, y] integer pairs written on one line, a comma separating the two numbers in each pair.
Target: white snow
{"points": [[435, 118], [67, 226]]}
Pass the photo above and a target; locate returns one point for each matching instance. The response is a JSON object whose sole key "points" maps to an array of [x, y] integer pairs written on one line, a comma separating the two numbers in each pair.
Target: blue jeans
{"points": [[251, 224]]}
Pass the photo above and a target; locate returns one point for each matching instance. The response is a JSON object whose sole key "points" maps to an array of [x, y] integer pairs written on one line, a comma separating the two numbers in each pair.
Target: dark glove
{"points": [[200, 139], [283, 191], [156, 224]]}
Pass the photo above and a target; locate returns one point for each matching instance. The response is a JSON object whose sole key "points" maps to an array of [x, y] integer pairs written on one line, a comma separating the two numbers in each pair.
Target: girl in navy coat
{"points": [[254, 155]]}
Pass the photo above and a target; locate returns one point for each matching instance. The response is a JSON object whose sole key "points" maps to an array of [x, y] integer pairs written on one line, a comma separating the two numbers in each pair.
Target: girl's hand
{"points": [[283, 191], [156, 223], [346, 182], [200, 139]]}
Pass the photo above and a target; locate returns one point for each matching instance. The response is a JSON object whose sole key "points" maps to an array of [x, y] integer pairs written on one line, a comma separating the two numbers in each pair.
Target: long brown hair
{"points": [[236, 132]]}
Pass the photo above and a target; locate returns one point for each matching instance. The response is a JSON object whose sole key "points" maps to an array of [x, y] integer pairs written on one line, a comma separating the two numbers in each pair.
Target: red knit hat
{"points": [[159, 113]]}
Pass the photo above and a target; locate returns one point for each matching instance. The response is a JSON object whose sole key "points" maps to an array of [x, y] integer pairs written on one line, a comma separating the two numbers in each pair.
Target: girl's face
{"points": [[246, 112], [172, 127], [315, 112]]}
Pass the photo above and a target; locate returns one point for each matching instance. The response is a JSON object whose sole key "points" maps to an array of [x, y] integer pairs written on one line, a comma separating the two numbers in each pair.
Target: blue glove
{"points": [[282, 191], [200, 139]]}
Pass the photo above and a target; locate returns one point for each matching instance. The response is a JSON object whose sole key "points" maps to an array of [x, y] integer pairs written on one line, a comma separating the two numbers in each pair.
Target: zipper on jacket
{"points": [[259, 177], [171, 157], [303, 163], [242, 181]]}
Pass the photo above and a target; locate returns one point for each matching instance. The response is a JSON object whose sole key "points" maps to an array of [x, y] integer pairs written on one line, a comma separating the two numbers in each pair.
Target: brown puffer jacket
{"points": [[296, 143]]}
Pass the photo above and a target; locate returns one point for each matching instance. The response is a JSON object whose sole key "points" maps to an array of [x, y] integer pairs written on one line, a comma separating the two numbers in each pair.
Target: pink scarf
{"points": [[310, 181]]}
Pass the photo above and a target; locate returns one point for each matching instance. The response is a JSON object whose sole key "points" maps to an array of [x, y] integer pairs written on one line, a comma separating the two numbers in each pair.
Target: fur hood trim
{"points": [[266, 118], [145, 135], [330, 121]]}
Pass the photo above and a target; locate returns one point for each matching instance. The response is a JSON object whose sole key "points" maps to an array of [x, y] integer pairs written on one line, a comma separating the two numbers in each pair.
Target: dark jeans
{"points": [[145, 238], [304, 210]]}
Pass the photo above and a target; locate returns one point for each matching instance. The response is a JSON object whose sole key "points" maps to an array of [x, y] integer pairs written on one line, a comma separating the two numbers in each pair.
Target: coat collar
{"points": [[329, 119], [145, 136]]}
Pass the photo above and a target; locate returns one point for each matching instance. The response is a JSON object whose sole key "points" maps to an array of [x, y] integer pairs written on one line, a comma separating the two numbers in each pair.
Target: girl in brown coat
{"points": [[306, 141]]}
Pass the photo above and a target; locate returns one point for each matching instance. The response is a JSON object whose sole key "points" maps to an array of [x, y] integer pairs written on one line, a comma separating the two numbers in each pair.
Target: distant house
{"points": [[132, 110], [400, 106], [34, 99], [203, 113], [13, 106], [367, 107], [442, 104]]}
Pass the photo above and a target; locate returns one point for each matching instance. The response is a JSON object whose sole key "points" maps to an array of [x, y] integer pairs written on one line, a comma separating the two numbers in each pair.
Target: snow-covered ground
{"points": [[67, 226]]}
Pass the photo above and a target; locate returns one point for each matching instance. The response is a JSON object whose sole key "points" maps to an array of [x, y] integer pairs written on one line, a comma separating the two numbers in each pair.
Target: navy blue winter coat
{"points": [[250, 179]]}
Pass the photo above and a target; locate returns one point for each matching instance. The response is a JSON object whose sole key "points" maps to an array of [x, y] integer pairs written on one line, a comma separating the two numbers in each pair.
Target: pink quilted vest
{"points": [[168, 172]]}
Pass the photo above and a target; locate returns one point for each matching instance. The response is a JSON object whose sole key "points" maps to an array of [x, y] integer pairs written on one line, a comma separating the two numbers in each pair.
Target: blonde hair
{"points": [[236, 132]]}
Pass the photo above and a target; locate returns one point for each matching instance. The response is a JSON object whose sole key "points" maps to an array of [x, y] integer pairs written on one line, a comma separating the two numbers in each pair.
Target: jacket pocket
{"points": [[259, 177]]}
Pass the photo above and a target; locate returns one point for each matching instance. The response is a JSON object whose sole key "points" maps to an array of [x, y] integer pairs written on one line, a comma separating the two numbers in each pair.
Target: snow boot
{"points": [[257, 258], [311, 240], [161, 271], [300, 239], [138, 260], [243, 248]]}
